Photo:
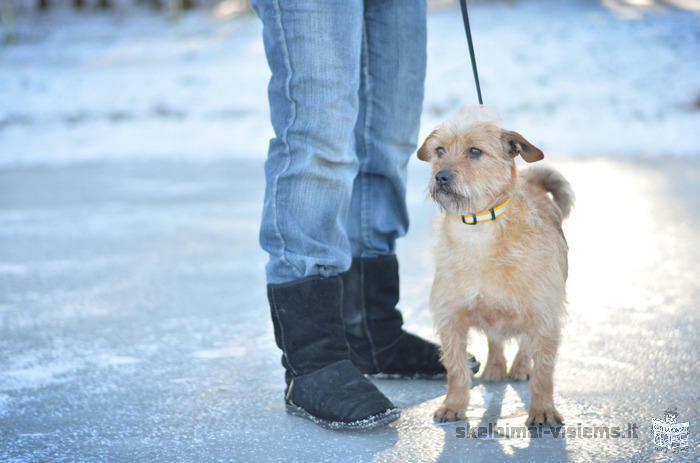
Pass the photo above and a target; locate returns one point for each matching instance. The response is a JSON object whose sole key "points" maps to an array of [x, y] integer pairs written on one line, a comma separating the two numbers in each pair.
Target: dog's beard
{"points": [[450, 199]]}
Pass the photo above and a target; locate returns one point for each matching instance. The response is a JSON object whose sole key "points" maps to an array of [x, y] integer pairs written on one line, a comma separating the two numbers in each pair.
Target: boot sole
{"points": [[370, 422]]}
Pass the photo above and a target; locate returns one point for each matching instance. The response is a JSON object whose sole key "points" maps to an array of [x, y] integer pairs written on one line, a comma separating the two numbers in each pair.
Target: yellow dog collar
{"points": [[491, 214]]}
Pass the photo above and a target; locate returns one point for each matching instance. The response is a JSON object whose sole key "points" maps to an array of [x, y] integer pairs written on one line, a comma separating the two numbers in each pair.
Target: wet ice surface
{"points": [[134, 325]]}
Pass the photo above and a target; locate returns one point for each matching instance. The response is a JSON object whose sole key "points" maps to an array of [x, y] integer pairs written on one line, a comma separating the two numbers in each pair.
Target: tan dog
{"points": [[506, 274]]}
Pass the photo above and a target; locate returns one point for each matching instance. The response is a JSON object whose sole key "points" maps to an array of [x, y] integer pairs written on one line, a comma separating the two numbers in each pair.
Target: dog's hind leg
{"points": [[496, 367], [542, 411], [522, 365]]}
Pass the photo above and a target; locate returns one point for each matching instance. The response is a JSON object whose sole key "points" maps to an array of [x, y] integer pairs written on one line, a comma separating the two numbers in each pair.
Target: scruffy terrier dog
{"points": [[500, 257]]}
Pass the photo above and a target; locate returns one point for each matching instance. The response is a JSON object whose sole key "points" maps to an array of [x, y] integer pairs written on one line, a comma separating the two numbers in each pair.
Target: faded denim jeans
{"points": [[345, 96]]}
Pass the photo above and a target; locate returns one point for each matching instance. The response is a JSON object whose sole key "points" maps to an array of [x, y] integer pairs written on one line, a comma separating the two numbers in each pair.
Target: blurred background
{"points": [[113, 79], [133, 319]]}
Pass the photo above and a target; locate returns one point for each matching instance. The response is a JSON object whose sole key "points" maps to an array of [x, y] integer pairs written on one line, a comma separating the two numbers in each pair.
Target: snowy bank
{"points": [[575, 77]]}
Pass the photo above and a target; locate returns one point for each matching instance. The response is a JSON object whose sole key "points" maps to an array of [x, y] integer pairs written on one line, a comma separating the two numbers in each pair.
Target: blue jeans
{"points": [[345, 97]]}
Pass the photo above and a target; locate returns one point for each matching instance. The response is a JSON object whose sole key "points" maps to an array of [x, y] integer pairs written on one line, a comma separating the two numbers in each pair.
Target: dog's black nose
{"points": [[443, 177]]}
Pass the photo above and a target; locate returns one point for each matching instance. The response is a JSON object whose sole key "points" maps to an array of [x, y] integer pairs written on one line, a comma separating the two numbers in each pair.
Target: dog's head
{"points": [[473, 160]]}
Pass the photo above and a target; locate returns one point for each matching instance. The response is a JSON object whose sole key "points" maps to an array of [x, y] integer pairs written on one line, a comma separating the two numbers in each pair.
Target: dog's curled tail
{"points": [[555, 183]]}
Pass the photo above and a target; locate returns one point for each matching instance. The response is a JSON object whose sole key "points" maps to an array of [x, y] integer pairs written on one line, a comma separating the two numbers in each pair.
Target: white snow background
{"points": [[576, 77]]}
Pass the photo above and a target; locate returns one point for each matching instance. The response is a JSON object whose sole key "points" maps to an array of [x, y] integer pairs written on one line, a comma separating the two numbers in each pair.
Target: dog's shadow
{"points": [[502, 439]]}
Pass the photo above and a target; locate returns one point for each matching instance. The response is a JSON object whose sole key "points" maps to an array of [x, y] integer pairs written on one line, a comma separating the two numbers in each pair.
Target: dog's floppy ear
{"points": [[424, 152], [515, 144]]}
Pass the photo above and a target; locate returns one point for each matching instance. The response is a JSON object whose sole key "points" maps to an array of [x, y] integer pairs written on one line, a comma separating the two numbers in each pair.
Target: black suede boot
{"points": [[373, 330], [322, 383]]}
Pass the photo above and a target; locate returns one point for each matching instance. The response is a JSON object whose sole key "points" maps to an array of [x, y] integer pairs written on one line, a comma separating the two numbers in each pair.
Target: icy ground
{"points": [[133, 319], [134, 325]]}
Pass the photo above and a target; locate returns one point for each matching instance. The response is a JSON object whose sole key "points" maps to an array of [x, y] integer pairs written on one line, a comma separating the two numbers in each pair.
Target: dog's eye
{"points": [[440, 151], [475, 152]]}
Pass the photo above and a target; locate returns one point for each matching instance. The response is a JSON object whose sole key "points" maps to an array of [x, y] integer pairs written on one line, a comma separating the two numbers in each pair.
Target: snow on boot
{"points": [[322, 383], [378, 344]]}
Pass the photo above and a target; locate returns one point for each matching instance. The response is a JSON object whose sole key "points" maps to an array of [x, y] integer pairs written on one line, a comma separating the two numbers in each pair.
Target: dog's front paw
{"points": [[549, 417], [494, 372], [446, 413]]}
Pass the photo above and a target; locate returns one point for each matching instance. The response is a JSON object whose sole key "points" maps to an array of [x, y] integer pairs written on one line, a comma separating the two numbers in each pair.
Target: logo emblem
{"points": [[670, 433]]}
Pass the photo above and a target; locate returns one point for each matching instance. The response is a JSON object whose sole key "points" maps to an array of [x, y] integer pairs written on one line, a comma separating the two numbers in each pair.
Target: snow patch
{"points": [[55, 365], [224, 352], [37, 376]]}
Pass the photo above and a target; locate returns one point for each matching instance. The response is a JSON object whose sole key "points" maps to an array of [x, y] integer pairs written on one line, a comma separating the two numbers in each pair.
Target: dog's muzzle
{"points": [[443, 178]]}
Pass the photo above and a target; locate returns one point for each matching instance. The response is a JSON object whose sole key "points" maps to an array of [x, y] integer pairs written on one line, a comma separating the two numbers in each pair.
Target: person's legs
{"points": [[393, 63], [313, 49]]}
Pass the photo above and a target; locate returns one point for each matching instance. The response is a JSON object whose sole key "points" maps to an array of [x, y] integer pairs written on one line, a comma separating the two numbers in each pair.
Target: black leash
{"points": [[468, 31]]}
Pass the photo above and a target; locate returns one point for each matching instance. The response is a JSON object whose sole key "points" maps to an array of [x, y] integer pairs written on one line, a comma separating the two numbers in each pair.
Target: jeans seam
{"points": [[287, 151], [364, 185]]}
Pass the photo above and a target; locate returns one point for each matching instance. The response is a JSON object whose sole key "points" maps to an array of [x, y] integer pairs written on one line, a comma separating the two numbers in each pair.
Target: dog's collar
{"points": [[491, 214]]}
